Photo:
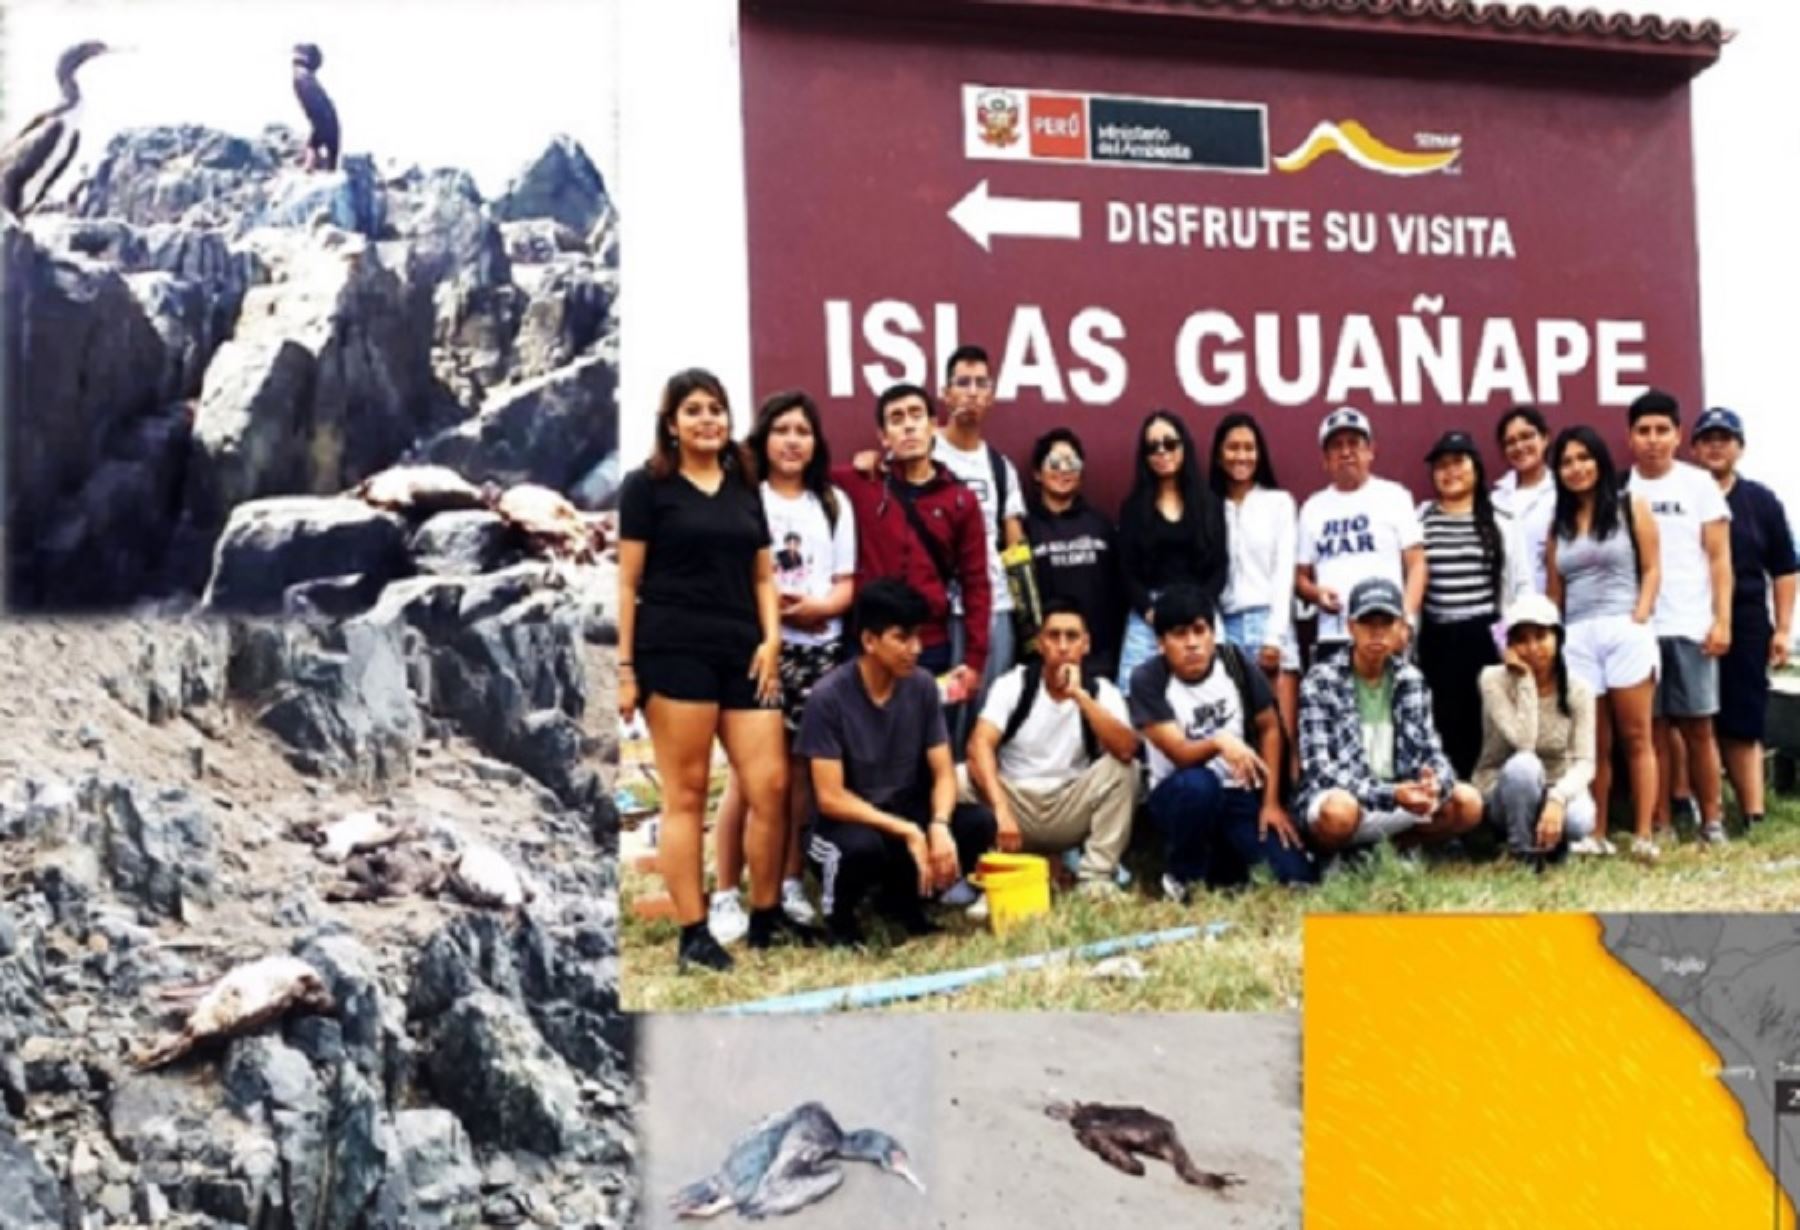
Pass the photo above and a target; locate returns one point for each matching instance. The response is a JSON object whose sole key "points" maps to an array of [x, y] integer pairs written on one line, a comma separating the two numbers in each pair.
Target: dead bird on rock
{"points": [[420, 490], [246, 998], [482, 876], [356, 832], [1118, 1133], [389, 873], [550, 524], [785, 1163]]}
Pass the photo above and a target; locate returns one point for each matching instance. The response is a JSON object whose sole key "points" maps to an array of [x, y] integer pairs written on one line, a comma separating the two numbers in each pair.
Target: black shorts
{"points": [[1744, 683], [713, 677]]}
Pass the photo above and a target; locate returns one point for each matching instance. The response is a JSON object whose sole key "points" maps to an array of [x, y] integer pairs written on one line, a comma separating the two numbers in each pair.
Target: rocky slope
{"points": [[157, 785], [205, 324]]}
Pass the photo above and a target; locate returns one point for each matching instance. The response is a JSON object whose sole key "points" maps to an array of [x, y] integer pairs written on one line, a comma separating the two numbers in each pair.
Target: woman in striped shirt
{"points": [[1475, 563]]}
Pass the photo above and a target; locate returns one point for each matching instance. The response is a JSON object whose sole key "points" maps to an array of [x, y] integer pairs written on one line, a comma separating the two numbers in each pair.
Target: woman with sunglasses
{"points": [[1074, 548], [1604, 567], [1171, 532], [1258, 603], [700, 649]]}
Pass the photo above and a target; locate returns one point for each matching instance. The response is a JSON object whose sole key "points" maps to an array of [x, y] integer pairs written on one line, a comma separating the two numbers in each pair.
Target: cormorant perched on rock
{"points": [[784, 1163], [44, 148], [322, 141], [1118, 1133]]}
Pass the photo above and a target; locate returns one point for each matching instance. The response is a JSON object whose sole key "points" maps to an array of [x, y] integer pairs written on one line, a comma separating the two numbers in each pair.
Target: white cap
{"points": [[1532, 608], [1345, 418]]}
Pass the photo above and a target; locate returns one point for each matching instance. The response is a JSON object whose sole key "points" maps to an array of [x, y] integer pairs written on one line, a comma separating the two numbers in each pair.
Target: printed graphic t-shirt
{"points": [[1683, 501], [977, 474], [1349, 536], [1200, 709], [809, 554]]}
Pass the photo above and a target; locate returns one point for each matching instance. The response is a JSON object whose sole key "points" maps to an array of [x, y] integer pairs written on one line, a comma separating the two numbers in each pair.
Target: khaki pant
{"points": [[1094, 809]]}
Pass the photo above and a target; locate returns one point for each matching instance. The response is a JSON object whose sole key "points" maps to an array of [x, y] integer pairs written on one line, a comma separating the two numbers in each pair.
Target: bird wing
{"points": [[793, 1192], [56, 172], [25, 155]]}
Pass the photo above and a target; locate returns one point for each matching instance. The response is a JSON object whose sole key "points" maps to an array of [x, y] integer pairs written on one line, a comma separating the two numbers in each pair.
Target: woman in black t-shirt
{"points": [[700, 647]]}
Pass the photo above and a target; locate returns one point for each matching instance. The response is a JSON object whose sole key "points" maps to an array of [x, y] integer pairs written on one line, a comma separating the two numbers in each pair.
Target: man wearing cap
{"points": [[1214, 742], [1762, 559], [1693, 607], [1371, 763], [1537, 747], [1357, 527]]}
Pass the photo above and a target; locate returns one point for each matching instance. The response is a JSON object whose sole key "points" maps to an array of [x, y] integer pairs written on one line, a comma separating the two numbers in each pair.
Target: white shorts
{"points": [[1613, 651]]}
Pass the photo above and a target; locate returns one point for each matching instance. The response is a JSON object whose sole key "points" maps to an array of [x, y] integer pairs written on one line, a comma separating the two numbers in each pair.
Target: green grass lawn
{"points": [[1255, 965]]}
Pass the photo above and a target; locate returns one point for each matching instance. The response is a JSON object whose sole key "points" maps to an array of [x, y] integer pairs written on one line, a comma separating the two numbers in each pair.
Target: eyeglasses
{"points": [[1162, 444], [972, 382], [1063, 463]]}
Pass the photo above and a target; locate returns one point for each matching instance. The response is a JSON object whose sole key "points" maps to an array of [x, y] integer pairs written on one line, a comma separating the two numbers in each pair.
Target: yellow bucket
{"points": [[1017, 887]]}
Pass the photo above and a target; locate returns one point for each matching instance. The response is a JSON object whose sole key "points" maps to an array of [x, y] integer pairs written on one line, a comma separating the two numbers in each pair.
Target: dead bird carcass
{"points": [[1119, 1133]]}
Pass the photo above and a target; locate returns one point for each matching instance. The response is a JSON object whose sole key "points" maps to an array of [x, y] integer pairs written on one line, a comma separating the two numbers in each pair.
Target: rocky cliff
{"points": [[207, 324], [171, 794]]}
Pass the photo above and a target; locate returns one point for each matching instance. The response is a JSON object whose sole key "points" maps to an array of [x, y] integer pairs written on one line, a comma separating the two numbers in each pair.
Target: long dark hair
{"points": [[1265, 469], [1606, 484], [1559, 668], [1487, 528], [816, 477], [665, 449]]}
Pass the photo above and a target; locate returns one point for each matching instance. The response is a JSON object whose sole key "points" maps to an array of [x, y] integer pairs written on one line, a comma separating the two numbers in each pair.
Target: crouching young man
{"points": [[1213, 733], [1371, 763], [883, 783], [1053, 753]]}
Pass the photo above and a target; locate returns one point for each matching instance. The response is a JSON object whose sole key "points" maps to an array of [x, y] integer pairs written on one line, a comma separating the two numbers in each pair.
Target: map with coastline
{"points": [[1552, 1070]]}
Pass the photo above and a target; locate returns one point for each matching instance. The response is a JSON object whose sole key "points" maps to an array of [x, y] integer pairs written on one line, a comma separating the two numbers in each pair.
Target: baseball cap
{"points": [[1374, 594], [1530, 608], [1719, 419], [1453, 442], [1345, 418]]}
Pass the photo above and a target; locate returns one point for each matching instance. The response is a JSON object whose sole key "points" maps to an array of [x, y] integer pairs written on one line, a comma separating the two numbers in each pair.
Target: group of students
{"points": [[846, 632]]}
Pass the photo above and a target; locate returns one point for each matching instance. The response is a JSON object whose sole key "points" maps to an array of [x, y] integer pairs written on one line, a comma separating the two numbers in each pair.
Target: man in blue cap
{"points": [[1762, 559], [1371, 763]]}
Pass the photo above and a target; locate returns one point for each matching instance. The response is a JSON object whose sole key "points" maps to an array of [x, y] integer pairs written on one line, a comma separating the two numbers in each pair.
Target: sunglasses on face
{"points": [[972, 382], [1063, 463], [1162, 444]]}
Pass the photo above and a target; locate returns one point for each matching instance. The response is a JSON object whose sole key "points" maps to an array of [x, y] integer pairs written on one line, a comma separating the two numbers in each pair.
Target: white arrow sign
{"points": [[983, 216]]}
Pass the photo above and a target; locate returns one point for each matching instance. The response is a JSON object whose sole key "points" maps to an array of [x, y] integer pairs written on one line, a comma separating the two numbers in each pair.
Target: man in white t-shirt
{"points": [[1528, 490], [1214, 742], [1358, 527], [968, 396], [1053, 755], [1693, 607]]}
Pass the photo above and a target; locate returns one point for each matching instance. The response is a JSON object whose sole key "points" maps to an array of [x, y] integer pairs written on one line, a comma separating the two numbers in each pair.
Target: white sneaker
{"points": [[1712, 833], [725, 917], [978, 911], [1644, 850], [795, 905], [1596, 846], [1175, 890]]}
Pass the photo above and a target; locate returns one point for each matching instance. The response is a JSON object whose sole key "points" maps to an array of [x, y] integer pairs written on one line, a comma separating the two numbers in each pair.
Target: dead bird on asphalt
{"points": [[1118, 1133], [246, 998], [785, 1163]]}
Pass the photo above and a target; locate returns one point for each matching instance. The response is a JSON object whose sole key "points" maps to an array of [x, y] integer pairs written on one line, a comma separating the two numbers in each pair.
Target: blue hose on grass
{"points": [[917, 986]]}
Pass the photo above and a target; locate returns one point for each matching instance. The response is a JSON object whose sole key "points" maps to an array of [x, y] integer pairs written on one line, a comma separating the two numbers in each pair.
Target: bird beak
{"points": [[906, 1172]]}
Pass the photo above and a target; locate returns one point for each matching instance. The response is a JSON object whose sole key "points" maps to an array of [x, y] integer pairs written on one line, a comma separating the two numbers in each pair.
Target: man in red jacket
{"points": [[917, 523]]}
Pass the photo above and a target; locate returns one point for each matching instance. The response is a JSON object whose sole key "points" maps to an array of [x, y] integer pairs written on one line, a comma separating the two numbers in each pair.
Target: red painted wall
{"points": [[855, 151]]}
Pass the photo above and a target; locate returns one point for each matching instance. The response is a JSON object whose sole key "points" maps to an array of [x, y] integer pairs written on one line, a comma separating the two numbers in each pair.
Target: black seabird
{"points": [[44, 148], [322, 141], [784, 1163]]}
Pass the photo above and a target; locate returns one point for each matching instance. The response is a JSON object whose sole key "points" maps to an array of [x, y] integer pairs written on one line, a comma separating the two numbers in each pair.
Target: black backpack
{"points": [[1028, 690]]}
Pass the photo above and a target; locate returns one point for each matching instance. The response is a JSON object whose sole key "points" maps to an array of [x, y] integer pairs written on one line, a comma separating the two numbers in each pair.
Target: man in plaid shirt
{"points": [[1372, 766]]}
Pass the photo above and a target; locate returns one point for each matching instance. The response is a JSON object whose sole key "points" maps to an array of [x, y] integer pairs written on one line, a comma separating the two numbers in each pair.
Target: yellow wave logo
{"points": [[1360, 146]]}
